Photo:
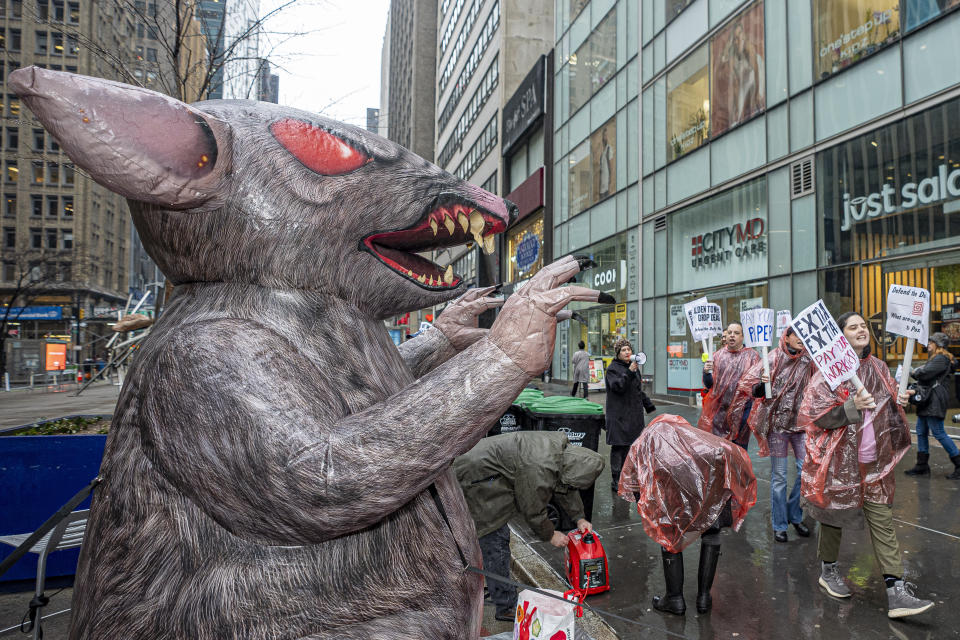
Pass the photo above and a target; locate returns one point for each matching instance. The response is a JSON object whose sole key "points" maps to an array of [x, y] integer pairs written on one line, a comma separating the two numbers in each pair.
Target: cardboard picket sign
{"points": [[757, 327], [827, 345], [908, 315], [783, 321], [704, 320], [758, 332]]}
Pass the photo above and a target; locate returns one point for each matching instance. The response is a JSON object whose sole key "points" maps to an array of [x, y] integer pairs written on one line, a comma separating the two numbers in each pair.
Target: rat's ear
{"points": [[139, 143]]}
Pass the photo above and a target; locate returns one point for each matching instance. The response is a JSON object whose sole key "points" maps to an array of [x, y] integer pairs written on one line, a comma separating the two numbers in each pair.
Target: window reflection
{"points": [[688, 104], [849, 30]]}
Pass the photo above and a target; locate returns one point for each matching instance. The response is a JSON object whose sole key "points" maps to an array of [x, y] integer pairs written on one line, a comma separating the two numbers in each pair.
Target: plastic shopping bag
{"points": [[541, 618]]}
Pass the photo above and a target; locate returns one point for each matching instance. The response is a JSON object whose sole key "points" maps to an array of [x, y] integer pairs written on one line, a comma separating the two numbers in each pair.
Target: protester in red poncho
{"points": [[774, 423], [687, 485], [854, 441], [720, 376]]}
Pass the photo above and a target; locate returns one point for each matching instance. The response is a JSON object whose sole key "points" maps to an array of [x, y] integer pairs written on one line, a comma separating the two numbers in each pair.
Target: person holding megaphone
{"points": [[626, 403]]}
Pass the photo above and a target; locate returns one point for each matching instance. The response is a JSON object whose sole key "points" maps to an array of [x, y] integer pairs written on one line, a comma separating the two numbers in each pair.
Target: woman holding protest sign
{"points": [[855, 438], [934, 376], [774, 423]]}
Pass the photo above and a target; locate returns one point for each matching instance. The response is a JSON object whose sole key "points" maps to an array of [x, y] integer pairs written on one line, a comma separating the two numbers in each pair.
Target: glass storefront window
{"points": [[604, 322], [684, 367], [580, 180], [688, 104], [720, 240], [525, 249], [737, 71], [848, 30], [594, 63], [893, 190], [593, 168], [918, 12]]}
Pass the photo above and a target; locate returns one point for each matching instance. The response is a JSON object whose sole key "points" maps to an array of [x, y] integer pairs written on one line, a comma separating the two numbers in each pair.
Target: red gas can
{"points": [[586, 563]]}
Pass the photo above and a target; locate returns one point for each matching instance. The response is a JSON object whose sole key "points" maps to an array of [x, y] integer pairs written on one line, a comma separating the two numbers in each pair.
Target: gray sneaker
{"points": [[831, 580], [901, 602]]}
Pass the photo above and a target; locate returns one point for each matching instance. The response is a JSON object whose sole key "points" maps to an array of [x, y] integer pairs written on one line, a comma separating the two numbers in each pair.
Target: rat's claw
{"points": [[584, 262]]}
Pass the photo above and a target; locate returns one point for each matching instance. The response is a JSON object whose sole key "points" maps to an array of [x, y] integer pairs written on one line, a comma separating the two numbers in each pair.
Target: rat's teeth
{"points": [[421, 278], [448, 274], [488, 244], [476, 222], [464, 223], [433, 226], [448, 223]]}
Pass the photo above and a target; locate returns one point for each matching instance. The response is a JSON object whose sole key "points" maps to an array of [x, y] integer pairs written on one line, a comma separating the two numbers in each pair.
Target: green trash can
{"points": [[515, 418], [582, 421]]}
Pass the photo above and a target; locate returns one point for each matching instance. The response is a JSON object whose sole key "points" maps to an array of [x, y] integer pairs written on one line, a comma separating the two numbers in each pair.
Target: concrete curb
{"points": [[529, 567], [48, 420]]}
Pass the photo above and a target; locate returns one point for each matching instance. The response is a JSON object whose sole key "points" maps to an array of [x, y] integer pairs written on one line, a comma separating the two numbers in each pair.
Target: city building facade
{"points": [[793, 150], [596, 186]]}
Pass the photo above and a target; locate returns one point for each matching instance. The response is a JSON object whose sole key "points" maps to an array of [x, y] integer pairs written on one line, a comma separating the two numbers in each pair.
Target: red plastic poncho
{"points": [[834, 478], [789, 375], [681, 477], [719, 416]]}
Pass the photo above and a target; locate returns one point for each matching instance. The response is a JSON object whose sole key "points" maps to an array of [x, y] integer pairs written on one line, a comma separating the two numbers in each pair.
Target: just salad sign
{"points": [[943, 186]]}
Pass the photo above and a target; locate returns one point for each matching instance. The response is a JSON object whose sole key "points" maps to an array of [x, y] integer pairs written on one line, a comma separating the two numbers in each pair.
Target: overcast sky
{"points": [[336, 69]]}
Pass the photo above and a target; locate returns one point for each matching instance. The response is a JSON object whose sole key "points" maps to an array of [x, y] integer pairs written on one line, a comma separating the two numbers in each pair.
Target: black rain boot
{"points": [[956, 471], [709, 555], [672, 602], [921, 468]]}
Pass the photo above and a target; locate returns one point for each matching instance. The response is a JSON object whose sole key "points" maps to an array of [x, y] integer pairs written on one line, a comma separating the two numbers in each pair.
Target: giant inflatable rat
{"points": [[268, 468]]}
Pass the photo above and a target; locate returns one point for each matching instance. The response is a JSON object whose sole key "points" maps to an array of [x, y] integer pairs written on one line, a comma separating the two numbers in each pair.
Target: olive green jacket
{"points": [[518, 473]]}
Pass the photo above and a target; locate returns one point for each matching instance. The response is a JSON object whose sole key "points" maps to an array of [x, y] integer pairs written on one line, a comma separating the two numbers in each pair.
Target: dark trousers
{"points": [[618, 454], [573, 391], [495, 548]]}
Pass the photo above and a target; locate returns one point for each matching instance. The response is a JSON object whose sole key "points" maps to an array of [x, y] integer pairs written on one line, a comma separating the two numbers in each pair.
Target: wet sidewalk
{"points": [[765, 589]]}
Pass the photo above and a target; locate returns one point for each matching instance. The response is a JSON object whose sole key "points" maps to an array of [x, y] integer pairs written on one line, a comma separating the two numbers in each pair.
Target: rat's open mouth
{"points": [[447, 225]]}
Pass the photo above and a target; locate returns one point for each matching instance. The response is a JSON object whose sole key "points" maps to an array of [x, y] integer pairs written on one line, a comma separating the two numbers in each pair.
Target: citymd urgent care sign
{"points": [[827, 345], [719, 241]]}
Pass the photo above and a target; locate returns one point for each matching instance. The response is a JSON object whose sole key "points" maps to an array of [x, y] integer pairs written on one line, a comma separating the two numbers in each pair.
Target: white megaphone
{"points": [[640, 358]]}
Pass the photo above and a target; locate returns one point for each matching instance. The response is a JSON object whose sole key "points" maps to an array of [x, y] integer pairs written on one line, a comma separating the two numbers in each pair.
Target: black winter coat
{"points": [[938, 368], [625, 404]]}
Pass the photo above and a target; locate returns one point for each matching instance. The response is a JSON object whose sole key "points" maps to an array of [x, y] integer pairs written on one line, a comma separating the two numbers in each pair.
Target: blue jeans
{"points": [[784, 511], [927, 425]]}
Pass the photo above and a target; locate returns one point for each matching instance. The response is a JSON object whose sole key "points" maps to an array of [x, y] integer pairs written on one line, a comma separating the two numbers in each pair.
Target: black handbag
{"points": [[922, 393]]}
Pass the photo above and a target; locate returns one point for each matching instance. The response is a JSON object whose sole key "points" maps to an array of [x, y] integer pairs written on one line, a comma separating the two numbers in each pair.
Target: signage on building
{"points": [[750, 303], [525, 106], [930, 190], [528, 251], [735, 242], [35, 313]]}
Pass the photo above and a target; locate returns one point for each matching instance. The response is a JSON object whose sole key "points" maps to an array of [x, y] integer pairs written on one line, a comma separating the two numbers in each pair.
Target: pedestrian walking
{"points": [[855, 438], [774, 423], [517, 474], [934, 376], [581, 369], [687, 484], [625, 405], [721, 374]]}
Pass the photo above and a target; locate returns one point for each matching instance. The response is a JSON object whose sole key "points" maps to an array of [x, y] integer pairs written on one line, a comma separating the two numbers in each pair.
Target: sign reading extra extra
{"points": [[943, 186]]}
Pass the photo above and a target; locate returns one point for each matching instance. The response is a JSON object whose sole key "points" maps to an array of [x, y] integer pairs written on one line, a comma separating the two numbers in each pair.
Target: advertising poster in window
{"points": [[688, 104], [580, 179], [737, 91], [918, 12], [603, 150], [851, 30]]}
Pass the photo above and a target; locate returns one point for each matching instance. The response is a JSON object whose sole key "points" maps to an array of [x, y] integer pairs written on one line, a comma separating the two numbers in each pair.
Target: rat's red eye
{"points": [[318, 150]]}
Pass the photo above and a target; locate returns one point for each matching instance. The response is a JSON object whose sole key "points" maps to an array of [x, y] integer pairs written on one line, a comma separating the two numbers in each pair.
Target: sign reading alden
{"points": [[743, 240], [945, 185]]}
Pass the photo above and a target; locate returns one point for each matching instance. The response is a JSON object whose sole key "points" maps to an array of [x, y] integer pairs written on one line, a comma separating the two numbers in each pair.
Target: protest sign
{"points": [[783, 321], [704, 320], [826, 344], [908, 315], [758, 332]]}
